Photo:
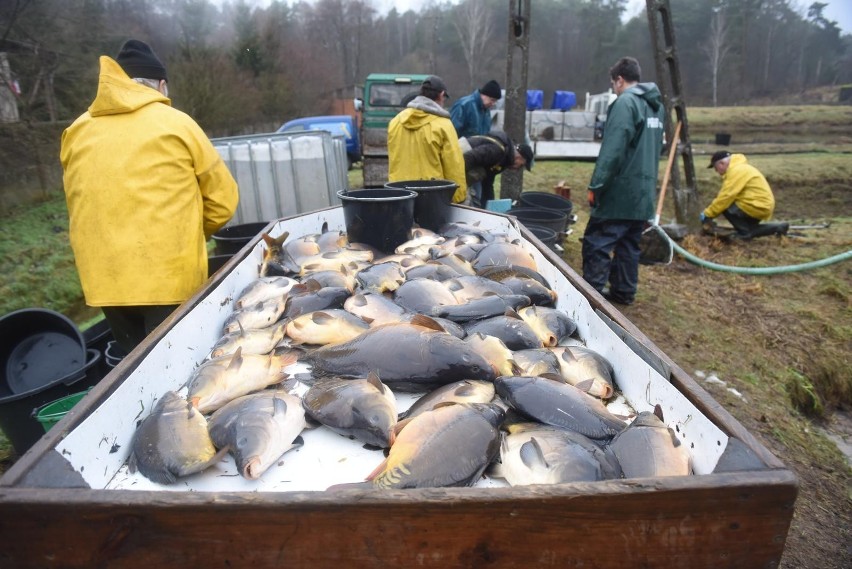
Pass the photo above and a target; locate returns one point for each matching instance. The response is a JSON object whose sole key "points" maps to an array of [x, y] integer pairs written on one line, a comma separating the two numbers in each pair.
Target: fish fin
{"points": [[426, 322], [279, 406], [400, 424], [298, 442], [658, 411], [373, 379], [512, 314], [236, 360], [132, 465], [445, 404], [532, 455], [320, 317], [585, 385], [220, 454], [324, 228], [516, 369], [553, 376], [379, 469], [312, 285], [568, 355]]}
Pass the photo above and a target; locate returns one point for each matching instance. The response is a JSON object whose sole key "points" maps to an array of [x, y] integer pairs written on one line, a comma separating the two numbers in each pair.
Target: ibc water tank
{"points": [[564, 100]]}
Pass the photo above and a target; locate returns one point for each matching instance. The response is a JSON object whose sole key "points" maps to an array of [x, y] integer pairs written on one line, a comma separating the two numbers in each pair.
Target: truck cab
{"points": [[385, 95]]}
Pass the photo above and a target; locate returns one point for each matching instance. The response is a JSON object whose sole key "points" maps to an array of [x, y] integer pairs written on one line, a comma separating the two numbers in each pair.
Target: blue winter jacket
{"points": [[469, 115]]}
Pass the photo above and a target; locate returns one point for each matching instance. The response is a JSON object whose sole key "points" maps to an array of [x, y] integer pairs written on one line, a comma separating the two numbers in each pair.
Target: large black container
{"points": [[216, 262], [230, 240], [550, 218], [432, 207], [546, 200], [16, 410], [98, 336], [37, 346], [546, 235], [382, 218]]}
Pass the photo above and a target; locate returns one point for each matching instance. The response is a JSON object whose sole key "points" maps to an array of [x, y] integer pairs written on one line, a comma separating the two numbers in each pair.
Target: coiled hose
{"points": [[753, 270]]}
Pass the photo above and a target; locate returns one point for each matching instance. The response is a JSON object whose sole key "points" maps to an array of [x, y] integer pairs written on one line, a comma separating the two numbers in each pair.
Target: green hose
{"points": [[753, 270]]}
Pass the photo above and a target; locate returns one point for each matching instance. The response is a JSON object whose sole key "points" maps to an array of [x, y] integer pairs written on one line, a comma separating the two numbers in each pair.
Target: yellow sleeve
{"points": [[732, 184], [453, 163]]}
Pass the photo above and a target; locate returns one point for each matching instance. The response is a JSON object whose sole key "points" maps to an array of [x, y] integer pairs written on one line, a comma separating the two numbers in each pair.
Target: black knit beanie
{"points": [[492, 89], [139, 60]]}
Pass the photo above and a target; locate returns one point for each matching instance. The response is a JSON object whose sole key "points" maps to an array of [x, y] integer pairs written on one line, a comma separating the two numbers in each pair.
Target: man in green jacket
{"points": [[745, 198], [145, 190], [623, 185]]}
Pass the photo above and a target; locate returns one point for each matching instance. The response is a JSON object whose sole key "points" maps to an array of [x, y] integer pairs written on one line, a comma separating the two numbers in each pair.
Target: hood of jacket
{"points": [[425, 110], [650, 93], [118, 93], [736, 160]]}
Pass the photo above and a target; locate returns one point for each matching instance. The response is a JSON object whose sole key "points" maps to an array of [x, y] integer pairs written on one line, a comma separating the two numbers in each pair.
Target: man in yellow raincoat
{"points": [[422, 141], [745, 198], [145, 190]]}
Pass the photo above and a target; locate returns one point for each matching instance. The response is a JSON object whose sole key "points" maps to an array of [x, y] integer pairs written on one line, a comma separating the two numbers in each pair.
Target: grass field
{"points": [[781, 343]]}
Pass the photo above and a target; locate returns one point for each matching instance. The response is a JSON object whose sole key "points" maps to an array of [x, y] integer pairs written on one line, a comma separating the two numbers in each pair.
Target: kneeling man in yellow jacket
{"points": [[745, 198]]}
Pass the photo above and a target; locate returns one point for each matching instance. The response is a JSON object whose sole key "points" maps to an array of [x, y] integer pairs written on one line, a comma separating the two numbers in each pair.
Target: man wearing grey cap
{"points": [[745, 198], [145, 190], [422, 142]]}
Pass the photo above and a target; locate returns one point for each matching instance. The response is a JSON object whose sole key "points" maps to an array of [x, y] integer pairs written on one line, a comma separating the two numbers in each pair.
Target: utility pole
{"points": [[668, 76], [517, 60]]}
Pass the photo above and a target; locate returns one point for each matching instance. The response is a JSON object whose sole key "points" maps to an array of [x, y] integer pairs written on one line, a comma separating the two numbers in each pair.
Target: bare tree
{"points": [[717, 48], [475, 26]]}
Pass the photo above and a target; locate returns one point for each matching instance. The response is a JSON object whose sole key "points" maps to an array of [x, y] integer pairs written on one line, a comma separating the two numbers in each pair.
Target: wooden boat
{"points": [[71, 502]]}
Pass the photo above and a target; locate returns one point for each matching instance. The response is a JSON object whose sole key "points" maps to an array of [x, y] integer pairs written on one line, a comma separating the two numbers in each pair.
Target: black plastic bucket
{"points": [[113, 354], [230, 240], [546, 235], [215, 263], [546, 200], [434, 197], [723, 138], [550, 218], [381, 218], [16, 411], [98, 336]]}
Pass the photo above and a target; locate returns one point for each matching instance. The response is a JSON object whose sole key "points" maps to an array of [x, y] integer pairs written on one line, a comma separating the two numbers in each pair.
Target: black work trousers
{"points": [[130, 324], [611, 253]]}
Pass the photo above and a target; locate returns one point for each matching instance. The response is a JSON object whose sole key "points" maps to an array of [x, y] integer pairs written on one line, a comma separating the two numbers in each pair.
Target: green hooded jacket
{"points": [[624, 182]]}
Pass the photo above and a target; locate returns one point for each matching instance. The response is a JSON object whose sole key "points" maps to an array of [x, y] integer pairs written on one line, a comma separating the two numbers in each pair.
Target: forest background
{"points": [[240, 67]]}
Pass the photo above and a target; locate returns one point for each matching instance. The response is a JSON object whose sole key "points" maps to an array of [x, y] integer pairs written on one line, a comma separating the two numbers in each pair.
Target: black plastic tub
{"points": [[381, 218], [434, 197], [546, 235], [37, 347], [16, 411], [230, 240], [550, 218], [215, 263], [546, 200], [98, 336]]}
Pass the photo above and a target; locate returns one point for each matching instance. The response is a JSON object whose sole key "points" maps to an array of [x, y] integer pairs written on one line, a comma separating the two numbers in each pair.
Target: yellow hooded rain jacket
{"points": [[745, 186]]}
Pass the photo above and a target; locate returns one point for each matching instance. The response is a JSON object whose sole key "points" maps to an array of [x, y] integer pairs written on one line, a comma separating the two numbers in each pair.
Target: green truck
{"points": [[385, 94]]}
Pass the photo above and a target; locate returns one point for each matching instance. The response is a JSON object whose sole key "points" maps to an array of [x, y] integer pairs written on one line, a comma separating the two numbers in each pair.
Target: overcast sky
{"points": [[838, 10]]}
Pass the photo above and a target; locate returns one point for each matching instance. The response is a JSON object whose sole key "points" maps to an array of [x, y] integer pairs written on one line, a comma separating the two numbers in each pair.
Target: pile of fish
{"points": [[461, 316]]}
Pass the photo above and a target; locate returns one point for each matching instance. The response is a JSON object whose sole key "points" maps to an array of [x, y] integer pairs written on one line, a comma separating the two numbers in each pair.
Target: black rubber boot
{"points": [[764, 229]]}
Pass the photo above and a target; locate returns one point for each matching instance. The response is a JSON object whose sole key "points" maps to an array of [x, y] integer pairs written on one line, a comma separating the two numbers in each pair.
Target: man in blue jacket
{"points": [[471, 116], [624, 183]]}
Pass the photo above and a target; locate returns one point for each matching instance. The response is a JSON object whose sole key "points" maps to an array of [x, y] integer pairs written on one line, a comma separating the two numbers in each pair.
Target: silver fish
{"points": [[457, 263], [447, 446], [333, 278], [432, 270], [315, 298], [258, 429], [421, 241], [538, 294], [422, 295], [258, 315], [539, 361], [262, 289], [360, 408], [349, 259], [471, 287], [481, 308], [647, 447], [252, 341], [532, 453], [559, 404], [381, 277], [551, 325], [172, 442], [500, 273], [494, 351], [220, 380], [413, 356], [502, 253], [464, 391], [326, 327], [510, 328], [585, 369], [376, 309]]}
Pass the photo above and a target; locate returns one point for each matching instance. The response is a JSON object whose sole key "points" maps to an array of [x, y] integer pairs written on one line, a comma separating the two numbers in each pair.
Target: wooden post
{"points": [[512, 181], [8, 105]]}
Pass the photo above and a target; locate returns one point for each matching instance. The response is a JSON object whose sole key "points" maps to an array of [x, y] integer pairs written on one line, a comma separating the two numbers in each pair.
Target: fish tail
{"points": [[350, 486]]}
